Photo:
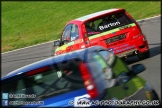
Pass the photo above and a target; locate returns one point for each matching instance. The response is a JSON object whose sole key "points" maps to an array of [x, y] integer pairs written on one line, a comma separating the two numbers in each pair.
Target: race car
{"points": [[113, 29], [71, 79]]}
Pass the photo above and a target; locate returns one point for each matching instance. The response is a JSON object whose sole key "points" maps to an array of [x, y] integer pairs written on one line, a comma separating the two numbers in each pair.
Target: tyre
{"points": [[144, 55]]}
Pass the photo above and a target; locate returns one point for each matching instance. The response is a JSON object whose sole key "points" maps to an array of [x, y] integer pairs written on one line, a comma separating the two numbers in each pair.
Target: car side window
{"points": [[50, 81], [106, 23], [66, 33], [70, 33], [74, 32]]}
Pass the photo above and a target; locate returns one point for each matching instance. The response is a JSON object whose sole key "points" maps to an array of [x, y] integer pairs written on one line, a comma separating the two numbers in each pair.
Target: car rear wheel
{"points": [[144, 55]]}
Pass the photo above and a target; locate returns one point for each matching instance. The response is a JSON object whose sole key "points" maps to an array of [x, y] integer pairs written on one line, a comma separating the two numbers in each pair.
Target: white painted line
{"points": [[54, 40], [149, 18], [135, 92], [26, 47]]}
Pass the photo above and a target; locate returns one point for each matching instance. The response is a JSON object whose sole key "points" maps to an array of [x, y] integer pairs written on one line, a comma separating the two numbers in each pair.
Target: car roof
{"points": [[96, 14], [54, 60]]}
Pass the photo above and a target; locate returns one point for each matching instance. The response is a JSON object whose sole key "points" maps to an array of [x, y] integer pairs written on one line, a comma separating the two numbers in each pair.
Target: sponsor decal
{"points": [[58, 48], [124, 27], [78, 41], [83, 46], [109, 25], [92, 33], [123, 48], [109, 31], [62, 48], [113, 32]]}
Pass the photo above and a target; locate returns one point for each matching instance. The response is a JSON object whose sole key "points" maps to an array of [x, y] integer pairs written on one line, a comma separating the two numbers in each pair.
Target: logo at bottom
{"points": [[4, 102]]}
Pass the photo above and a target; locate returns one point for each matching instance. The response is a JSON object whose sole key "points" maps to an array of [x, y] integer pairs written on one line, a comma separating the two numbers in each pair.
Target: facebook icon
{"points": [[4, 102], [4, 95]]}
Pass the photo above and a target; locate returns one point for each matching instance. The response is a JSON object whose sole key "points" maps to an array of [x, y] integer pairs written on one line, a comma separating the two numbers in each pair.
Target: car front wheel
{"points": [[144, 55]]}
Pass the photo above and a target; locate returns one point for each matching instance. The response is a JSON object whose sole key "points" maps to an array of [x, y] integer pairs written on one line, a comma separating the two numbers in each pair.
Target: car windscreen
{"points": [[61, 78], [106, 23]]}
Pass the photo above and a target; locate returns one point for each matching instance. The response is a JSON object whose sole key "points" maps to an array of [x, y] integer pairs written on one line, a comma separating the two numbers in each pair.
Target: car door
{"points": [[71, 35], [126, 86], [75, 38], [65, 39]]}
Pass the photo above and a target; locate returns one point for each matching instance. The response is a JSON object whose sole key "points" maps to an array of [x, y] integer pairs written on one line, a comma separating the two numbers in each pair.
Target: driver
{"points": [[66, 36]]}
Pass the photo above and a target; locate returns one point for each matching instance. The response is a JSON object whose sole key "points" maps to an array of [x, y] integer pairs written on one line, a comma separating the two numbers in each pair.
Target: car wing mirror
{"points": [[56, 43], [123, 77], [65, 42], [137, 68]]}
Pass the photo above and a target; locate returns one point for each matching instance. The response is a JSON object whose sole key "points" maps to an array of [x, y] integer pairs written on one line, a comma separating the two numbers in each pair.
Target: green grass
{"points": [[28, 23]]}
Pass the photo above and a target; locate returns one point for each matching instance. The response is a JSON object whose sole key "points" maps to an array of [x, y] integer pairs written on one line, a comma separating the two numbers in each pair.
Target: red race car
{"points": [[113, 29]]}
